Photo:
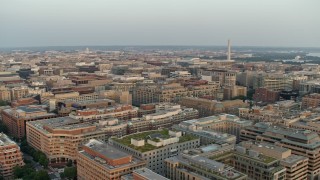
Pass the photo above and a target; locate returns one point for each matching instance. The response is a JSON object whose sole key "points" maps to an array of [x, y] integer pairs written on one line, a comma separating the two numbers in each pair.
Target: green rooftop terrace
{"points": [[261, 158], [126, 140]]}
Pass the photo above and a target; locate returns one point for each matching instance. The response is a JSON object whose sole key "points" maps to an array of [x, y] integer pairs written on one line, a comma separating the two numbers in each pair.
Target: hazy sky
{"points": [[159, 22]]}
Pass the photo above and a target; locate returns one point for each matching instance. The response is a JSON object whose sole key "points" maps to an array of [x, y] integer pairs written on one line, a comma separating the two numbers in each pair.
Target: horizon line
{"points": [[154, 45]]}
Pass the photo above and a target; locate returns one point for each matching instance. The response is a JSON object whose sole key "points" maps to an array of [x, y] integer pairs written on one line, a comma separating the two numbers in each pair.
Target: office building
{"points": [[186, 166], [155, 146], [10, 156], [165, 116], [61, 138], [224, 123], [208, 107], [143, 174], [98, 160], [254, 164], [296, 166], [300, 142], [146, 94], [15, 118], [206, 136], [121, 112]]}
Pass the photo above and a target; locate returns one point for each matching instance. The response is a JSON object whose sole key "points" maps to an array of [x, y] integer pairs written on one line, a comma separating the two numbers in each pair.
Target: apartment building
{"points": [[15, 118], [311, 101], [5, 94], [155, 146], [98, 160], [266, 95], [19, 92], [10, 156]]}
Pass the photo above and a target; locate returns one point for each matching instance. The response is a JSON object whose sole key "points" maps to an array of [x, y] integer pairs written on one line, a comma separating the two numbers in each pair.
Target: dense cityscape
{"points": [[136, 113], [159, 90]]}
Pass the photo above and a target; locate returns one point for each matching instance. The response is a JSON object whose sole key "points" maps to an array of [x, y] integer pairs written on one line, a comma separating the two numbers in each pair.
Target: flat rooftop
{"points": [[106, 150], [32, 108], [263, 145], [28, 109], [126, 140], [293, 159], [109, 152], [148, 174], [215, 168], [84, 102], [5, 140], [56, 123]]}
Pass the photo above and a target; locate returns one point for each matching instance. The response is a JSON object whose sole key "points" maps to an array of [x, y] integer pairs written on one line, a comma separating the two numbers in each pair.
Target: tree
{"points": [[23, 171], [3, 128], [28, 173], [43, 161], [3, 103], [18, 172], [250, 94], [69, 173], [42, 175]]}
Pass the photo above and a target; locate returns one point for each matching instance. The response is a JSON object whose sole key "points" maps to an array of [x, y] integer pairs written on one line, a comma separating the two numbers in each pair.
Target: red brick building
{"points": [[266, 95]]}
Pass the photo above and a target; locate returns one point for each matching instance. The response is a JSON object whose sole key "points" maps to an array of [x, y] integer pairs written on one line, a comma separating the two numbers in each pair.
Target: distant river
{"points": [[314, 54]]}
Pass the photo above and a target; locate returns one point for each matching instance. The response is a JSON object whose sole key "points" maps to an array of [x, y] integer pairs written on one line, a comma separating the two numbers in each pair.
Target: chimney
{"points": [[229, 50]]}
